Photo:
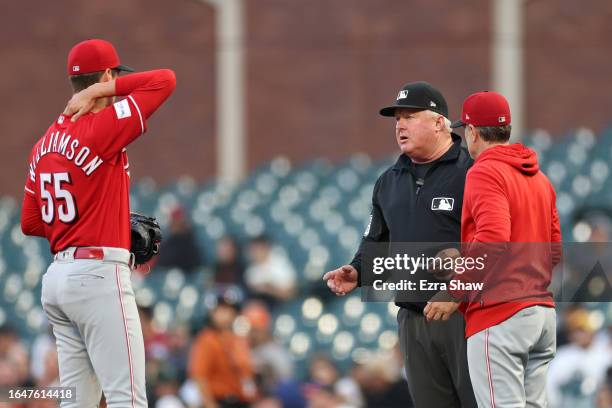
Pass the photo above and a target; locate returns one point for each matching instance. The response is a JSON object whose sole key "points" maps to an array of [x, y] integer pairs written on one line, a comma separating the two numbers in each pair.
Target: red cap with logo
{"points": [[484, 109], [93, 56]]}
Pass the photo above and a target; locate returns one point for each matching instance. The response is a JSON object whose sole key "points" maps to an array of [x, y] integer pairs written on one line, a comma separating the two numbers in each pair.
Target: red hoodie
{"points": [[508, 200]]}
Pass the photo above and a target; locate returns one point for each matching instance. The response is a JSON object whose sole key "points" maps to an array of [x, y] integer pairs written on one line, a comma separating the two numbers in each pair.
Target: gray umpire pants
{"points": [[91, 307], [509, 362], [436, 360]]}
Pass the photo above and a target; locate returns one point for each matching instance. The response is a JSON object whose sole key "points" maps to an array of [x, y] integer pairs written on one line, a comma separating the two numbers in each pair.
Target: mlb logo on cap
{"points": [[418, 95], [484, 109]]}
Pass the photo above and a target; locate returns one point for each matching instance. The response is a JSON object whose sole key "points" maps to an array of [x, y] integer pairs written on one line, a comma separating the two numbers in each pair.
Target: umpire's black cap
{"points": [[419, 95]]}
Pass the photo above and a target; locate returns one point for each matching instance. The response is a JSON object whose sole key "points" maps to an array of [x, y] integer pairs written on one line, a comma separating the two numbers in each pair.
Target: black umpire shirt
{"points": [[418, 203]]}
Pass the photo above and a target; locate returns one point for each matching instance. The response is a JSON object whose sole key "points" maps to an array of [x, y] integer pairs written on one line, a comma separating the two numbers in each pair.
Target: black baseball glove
{"points": [[146, 237]]}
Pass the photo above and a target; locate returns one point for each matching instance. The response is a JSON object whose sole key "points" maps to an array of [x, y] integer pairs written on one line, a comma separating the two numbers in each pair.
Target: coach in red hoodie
{"points": [[509, 213]]}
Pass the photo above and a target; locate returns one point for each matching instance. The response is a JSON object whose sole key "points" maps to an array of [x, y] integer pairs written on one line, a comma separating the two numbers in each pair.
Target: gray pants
{"points": [[436, 360], [91, 307], [509, 362]]}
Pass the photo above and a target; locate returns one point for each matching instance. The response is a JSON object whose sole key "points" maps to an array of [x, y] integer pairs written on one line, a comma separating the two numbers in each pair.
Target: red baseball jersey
{"points": [[78, 184]]}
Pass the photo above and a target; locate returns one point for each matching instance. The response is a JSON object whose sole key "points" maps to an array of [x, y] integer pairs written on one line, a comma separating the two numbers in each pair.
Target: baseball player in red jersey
{"points": [[77, 196], [509, 208]]}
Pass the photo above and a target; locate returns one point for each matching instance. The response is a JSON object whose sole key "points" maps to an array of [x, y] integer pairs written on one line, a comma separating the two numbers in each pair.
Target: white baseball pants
{"points": [[91, 307], [508, 362]]}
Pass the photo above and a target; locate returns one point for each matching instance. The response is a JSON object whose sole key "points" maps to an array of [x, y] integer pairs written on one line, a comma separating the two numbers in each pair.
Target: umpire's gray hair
{"points": [[447, 122]]}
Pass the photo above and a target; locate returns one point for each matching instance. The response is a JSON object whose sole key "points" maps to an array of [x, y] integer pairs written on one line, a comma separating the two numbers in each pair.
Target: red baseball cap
{"points": [[93, 56], [484, 109]]}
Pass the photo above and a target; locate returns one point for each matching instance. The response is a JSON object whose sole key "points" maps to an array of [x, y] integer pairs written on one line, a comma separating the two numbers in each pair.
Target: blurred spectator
{"points": [[155, 341], [166, 388], [604, 396], [153, 368], [179, 249], [271, 360], [583, 276], [290, 394], [270, 276], [42, 345], [229, 268], [563, 331], [579, 367], [327, 389], [178, 350], [381, 381], [15, 355], [599, 226], [8, 374], [50, 374], [268, 403], [220, 361]]}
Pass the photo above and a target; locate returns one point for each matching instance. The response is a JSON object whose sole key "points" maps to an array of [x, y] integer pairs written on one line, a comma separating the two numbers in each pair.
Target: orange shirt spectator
{"points": [[220, 362]]}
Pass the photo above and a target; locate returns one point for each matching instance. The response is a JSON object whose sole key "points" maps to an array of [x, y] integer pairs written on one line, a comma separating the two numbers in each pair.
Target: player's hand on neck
{"points": [[92, 99]]}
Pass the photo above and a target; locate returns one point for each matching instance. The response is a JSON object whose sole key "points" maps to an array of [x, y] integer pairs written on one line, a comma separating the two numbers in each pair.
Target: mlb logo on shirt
{"points": [[442, 204]]}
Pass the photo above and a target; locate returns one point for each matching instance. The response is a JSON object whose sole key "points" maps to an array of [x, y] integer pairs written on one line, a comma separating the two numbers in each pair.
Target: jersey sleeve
{"points": [[376, 231], [30, 184], [120, 124], [555, 237], [31, 220]]}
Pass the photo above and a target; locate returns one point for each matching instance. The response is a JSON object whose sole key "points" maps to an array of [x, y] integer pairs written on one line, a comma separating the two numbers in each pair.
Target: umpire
{"points": [[418, 200]]}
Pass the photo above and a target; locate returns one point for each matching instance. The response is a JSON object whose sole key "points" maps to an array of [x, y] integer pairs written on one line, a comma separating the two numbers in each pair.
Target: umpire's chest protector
{"points": [[427, 208]]}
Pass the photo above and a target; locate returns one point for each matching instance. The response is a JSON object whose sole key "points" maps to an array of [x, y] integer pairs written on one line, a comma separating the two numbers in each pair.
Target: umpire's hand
{"points": [[342, 280], [439, 310]]}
